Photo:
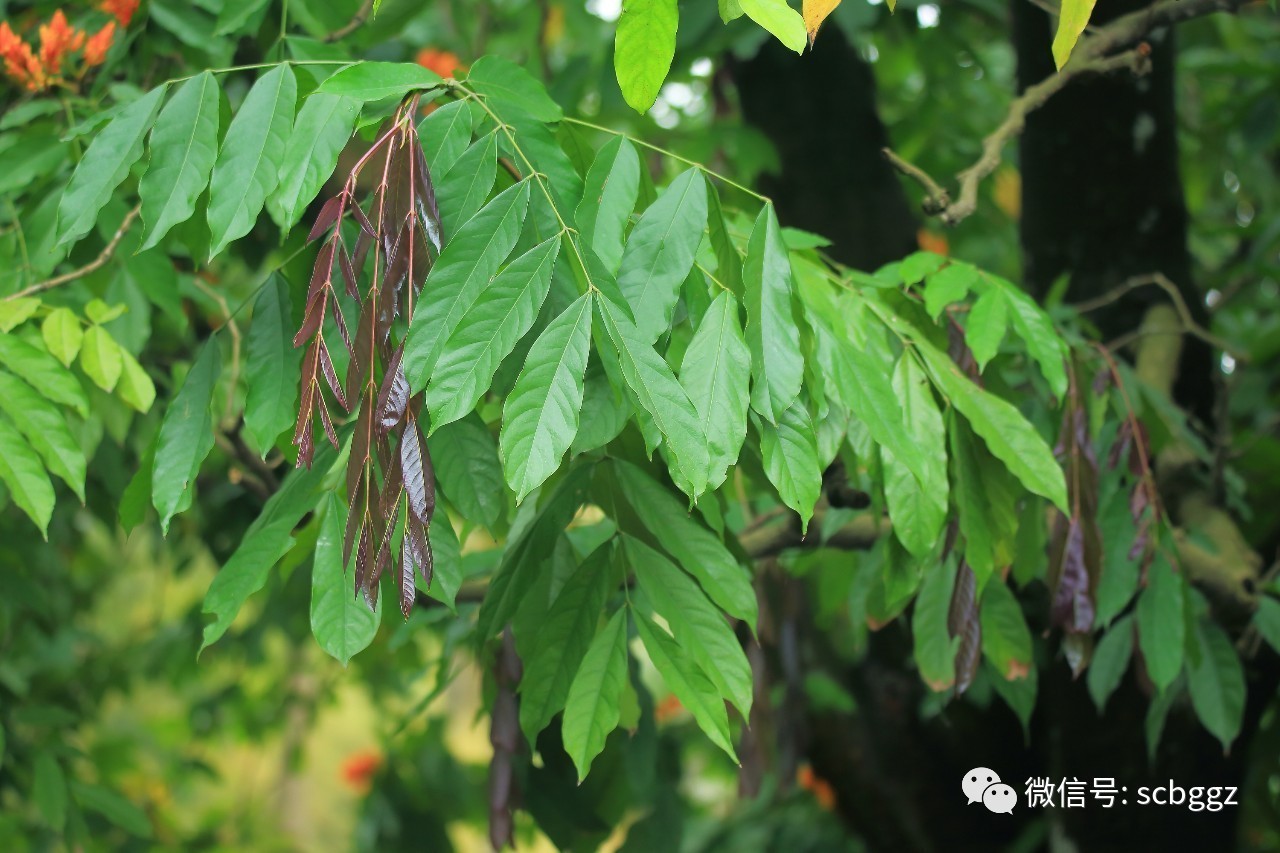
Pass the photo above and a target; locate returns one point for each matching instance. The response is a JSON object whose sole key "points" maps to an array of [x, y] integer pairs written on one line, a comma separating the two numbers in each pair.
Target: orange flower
{"points": [[443, 62], [57, 39], [20, 63], [359, 768], [931, 241], [95, 49], [667, 709], [121, 10], [816, 785]]}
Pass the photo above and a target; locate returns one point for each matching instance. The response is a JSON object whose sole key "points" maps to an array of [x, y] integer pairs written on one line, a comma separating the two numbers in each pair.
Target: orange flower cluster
{"points": [[36, 71], [443, 62], [359, 769]]}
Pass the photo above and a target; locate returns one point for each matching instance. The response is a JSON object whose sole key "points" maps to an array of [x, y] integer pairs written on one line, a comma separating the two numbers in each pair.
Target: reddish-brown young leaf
{"points": [[321, 271], [327, 423], [328, 215], [331, 376], [393, 397], [419, 478], [1072, 608], [358, 370], [302, 433], [362, 559], [963, 622], [348, 273], [418, 541], [355, 517], [312, 317]]}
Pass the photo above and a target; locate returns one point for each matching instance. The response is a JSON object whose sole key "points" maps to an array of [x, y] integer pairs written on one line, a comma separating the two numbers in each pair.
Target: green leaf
{"points": [[1110, 661], [791, 460], [135, 386], [46, 429], [563, 637], [948, 285], [100, 313], [445, 134], [62, 335], [248, 167], [935, 648], [1037, 332], [780, 19], [504, 312], [657, 392], [608, 197], [688, 683], [729, 10], [698, 551], [271, 370], [320, 132], [501, 81], [373, 81], [659, 253], [342, 624], [1119, 579], [772, 333], [24, 474], [461, 191], [917, 265], [186, 435], [592, 709], [101, 358], [1215, 680], [15, 311], [49, 790], [643, 47], [918, 512], [716, 372], [184, 146], [1073, 17], [447, 553], [113, 807], [467, 467], [986, 326], [699, 628], [42, 372], [540, 417], [267, 540], [728, 258], [235, 14], [1008, 435], [985, 498], [105, 165], [465, 267], [1161, 626], [1267, 620], [528, 549], [1006, 639]]}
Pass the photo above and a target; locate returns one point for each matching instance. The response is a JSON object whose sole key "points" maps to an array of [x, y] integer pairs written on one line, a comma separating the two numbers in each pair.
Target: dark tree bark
{"points": [[820, 114]]}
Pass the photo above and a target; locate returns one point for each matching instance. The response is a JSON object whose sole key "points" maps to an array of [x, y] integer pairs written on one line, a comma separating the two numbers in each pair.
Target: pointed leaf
{"points": [[688, 683], [45, 429], [101, 359], [320, 132], [540, 417], [184, 146], [1006, 639], [248, 167], [186, 435], [716, 373], [918, 512], [815, 12], [776, 364], [1161, 626], [462, 190], [342, 626], [271, 369], [503, 82], [1072, 19], [1215, 680], [24, 475], [591, 710], [445, 134], [778, 18], [502, 315], [659, 253], [105, 165], [465, 268], [657, 392], [1110, 661], [135, 386], [608, 197], [986, 326], [42, 372], [699, 627], [469, 471], [935, 648], [374, 81], [563, 637], [791, 460]]}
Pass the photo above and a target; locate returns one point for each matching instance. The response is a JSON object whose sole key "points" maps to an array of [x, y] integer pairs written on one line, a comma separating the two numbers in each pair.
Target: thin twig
{"points": [[357, 21], [506, 163], [1160, 280], [96, 264], [230, 323], [1094, 54]]}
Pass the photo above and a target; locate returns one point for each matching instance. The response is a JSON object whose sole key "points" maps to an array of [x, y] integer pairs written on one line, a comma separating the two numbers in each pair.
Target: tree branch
{"points": [[357, 21], [96, 264], [1189, 325], [1094, 54]]}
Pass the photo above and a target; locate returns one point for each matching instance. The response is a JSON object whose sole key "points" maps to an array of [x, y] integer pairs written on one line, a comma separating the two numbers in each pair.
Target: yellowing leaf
{"points": [[815, 12], [1072, 20]]}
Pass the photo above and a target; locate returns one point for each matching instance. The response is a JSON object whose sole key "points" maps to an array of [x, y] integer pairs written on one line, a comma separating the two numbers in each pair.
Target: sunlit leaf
{"points": [[644, 46], [184, 146]]}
